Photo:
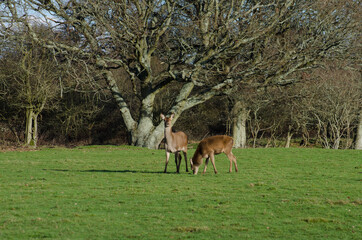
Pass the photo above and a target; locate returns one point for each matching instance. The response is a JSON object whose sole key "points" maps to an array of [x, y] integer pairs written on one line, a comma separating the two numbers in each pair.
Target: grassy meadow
{"points": [[120, 192]]}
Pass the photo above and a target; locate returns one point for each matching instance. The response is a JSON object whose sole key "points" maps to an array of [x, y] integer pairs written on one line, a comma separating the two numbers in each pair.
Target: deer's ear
{"points": [[162, 116], [172, 115]]}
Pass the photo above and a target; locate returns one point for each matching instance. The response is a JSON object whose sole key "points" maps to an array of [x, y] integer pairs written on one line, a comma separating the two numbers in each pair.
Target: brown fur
{"points": [[176, 142], [211, 146]]}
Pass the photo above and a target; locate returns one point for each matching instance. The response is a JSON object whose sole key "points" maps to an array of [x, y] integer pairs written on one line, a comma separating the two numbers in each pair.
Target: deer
{"points": [[208, 148], [176, 142]]}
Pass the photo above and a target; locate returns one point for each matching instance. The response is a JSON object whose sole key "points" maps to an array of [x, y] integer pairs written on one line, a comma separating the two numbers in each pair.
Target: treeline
{"points": [[321, 109], [269, 73]]}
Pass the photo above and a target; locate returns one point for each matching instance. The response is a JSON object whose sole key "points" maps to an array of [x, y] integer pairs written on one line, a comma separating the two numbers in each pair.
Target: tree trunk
{"points": [[31, 129], [35, 129], [336, 143], [29, 126], [146, 134], [240, 115], [305, 136], [336, 133], [289, 138], [359, 133], [254, 126]]}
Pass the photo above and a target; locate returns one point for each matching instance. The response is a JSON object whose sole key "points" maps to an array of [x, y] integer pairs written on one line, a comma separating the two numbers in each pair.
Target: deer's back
{"points": [[216, 144]]}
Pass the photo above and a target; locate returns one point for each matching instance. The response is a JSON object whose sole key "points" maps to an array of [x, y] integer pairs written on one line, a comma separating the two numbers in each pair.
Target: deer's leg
{"points": [[235, 164], [212, 157], [231, 162], [232, 158], [195, 170], [179, 161], [167, 158], [185, 156], [206, 162], [177, 157]]}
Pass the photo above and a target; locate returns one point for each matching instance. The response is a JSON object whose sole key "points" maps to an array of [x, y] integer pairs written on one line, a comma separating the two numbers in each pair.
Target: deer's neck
{"points": [[168, 133], [170, 143], [197, 157]]}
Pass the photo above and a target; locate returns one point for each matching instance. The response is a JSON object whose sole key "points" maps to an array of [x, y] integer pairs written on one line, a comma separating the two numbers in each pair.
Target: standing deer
{"points": [[175, 142], [208, 148]]}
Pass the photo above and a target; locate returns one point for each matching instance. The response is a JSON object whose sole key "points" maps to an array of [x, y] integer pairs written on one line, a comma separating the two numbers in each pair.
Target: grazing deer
{"points": [[208, 148], [175, 142]]}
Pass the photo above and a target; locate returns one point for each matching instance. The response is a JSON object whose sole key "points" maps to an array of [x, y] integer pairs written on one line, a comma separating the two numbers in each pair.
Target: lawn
{"points": [[120, 192]]}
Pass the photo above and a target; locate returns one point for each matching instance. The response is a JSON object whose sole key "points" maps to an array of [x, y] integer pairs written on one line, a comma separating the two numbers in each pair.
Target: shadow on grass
{"points": [[109, 171]]}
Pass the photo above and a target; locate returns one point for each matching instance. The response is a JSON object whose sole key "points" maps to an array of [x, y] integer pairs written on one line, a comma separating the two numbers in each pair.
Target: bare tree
{"points": [[324, 102], [333, 102], [204, 46], [29, 78], [299, 44]]}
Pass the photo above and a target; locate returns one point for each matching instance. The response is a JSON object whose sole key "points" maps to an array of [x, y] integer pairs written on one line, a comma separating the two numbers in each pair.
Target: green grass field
{"points": [[106, 192]]}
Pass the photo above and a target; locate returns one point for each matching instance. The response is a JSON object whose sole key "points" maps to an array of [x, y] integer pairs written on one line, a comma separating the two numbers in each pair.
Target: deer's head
{"points": [[167, 120]]}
